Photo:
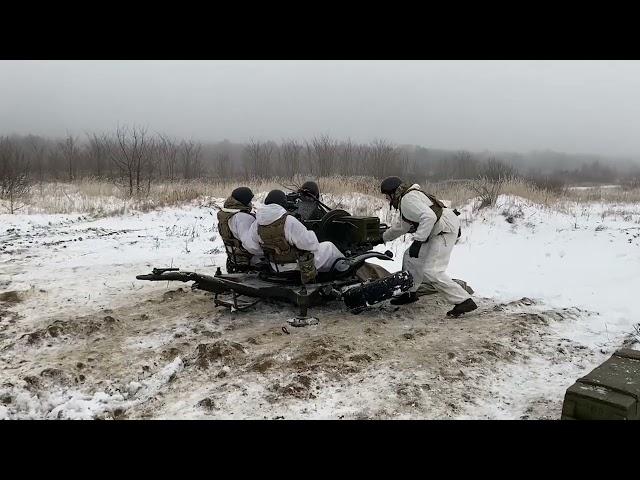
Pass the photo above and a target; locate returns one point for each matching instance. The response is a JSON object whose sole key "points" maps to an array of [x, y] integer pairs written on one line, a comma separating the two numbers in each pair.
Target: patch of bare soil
{"points": [[175, 355], [10, 297]]}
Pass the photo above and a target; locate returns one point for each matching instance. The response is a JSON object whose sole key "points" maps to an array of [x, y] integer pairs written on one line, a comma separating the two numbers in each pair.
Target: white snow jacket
{"points": [[416, 207], [240, 223], [296, 234]]}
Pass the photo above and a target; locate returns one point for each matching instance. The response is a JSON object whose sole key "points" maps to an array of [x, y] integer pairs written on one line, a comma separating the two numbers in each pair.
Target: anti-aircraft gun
{"points": [[359, 286], [353, 235]]}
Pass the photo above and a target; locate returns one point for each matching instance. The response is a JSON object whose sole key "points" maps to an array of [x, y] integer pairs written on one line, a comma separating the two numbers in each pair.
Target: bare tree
{"points": [[189, 153], [250, 158], [407, 165], [460, 165], [168, 150], [131, 155], [362, 159], [258, 158], [98, 154], [70, 154], [631, 181], [290, 157], [222, 164], [38, 151], [309, 158], [497, 170], [267, 163], [152, 165], [325, 150], [15, 179], [383, 158], [348, 158]]}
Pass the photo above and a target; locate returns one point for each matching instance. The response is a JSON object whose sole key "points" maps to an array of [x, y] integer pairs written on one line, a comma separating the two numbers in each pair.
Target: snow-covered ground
{"points": [[594, 187], [69, 301], [587, 257]]}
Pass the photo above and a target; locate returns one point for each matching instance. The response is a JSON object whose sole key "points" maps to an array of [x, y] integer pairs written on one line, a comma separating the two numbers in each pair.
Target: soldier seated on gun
{"points": [[277, 231], [307, 207], [234, 221]]}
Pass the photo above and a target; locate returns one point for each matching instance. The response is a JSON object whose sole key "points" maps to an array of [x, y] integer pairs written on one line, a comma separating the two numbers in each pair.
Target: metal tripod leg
{"points": [[234, 304], [302, 320]]}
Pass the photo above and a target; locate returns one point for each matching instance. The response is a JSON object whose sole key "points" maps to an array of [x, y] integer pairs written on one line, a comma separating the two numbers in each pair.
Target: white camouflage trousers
{"points": [[431, 265]]}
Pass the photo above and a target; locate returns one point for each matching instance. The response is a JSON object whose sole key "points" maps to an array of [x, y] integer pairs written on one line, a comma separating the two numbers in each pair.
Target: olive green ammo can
{"points": [[609, 392]]}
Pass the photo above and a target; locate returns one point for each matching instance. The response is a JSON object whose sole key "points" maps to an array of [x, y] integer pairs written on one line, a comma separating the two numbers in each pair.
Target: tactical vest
{"points": [[436, 206], [275, 244], [227, 235]]}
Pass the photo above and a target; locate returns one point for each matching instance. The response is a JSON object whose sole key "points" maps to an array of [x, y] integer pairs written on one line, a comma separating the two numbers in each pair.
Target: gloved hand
{"points": [[414, 249]]}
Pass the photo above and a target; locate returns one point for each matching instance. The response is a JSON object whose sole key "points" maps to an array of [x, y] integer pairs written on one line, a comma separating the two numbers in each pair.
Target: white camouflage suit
{"points": [[324, 253], [240, 224], [433, 259]]}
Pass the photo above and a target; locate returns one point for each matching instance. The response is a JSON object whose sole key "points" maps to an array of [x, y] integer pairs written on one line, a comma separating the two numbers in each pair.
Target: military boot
{"points": [[467, 306], [407, 297]]}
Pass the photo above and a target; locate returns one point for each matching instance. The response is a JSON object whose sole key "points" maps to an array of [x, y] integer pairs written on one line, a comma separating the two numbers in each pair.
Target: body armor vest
{"points": [[233, 246], [275, 243], [436, 206]]}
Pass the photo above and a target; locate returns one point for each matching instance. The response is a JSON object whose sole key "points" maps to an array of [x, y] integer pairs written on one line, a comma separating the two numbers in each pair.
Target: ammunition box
{"points": [[349, 233], [609, 392], [367, 229]]}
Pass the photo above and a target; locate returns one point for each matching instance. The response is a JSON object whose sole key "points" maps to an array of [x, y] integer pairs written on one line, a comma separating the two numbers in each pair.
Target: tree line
{"points": [[135, 158]]}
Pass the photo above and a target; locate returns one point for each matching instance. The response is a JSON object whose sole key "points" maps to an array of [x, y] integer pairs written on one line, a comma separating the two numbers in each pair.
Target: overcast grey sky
{"points": [[570, 106]]}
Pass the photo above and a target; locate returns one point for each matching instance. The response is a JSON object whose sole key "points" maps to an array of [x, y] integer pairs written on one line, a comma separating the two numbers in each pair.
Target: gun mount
{"points": [[240, 291]]}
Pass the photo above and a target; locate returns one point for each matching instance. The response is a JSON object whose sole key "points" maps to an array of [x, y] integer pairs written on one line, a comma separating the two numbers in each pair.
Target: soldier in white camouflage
{"points": [[435, 228], [234, 221], [282, 233]]}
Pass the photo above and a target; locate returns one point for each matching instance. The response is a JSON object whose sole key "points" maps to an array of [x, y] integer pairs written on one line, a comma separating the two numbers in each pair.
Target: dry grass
{"points": [[102, 198], [460, 192], [608, 195]]}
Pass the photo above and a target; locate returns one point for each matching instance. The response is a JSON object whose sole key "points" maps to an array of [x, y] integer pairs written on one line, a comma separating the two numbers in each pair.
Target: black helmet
{"points": [[276, 196], [243, 194], [311, 187], [390, 185]]}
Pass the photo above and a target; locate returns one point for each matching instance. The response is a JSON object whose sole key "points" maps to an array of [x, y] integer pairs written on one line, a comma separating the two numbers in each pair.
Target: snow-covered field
{"points": [[81, 338]]}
